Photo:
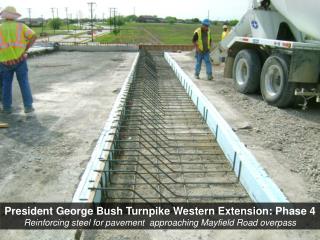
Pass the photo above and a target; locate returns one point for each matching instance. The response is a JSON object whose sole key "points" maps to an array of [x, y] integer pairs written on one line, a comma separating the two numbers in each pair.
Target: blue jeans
{"points": [[0, 85], [21, 70], [206, 57]]}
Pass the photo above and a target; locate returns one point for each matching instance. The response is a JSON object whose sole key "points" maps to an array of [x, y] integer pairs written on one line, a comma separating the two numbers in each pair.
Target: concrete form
{"points": [[256, 181]]}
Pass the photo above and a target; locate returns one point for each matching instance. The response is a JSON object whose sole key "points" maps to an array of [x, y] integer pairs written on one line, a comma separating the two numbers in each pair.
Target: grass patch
{"points": [[163, 32], [126, 35]]}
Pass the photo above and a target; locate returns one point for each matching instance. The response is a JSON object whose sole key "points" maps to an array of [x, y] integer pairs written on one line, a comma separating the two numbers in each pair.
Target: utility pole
{"points": [[91, 16], [57, 12], [110, 18], [118, 21], [52, 10], [114, 19], [29, 10], [67, 19], [209, 14], [42, 24], [78, 17], [113, 16]]}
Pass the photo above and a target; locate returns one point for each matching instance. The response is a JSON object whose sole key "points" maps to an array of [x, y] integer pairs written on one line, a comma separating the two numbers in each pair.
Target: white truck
{"points": [[275, 48]]}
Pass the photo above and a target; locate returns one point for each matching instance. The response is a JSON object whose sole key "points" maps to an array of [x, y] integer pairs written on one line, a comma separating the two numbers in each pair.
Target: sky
{"points": [[218, 9]]}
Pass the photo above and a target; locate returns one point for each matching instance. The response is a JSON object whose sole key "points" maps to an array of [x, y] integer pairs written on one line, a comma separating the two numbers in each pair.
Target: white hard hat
{"points": [[10, 13], [225, 26]]}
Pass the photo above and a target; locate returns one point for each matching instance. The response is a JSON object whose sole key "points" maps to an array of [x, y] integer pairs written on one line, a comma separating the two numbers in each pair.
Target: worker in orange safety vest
{"points": [[15, 40]]}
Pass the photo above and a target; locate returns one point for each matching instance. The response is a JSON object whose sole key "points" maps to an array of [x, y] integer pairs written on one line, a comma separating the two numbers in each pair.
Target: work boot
{"points": [[28, 109], [7, 110], [210, 77], [197, 76]]}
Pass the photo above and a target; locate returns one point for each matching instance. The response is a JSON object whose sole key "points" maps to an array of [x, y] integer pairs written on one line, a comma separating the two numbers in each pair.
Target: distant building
{"points": [[35, 22], [148, 19], [189, 21], [161, 20]]}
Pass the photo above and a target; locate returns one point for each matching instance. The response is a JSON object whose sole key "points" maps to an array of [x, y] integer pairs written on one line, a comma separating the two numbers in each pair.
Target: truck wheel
{"points": [[246, 71], [275, 87]]}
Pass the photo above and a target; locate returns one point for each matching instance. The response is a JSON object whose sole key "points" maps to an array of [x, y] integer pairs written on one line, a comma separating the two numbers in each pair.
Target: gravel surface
{"points": [[292, 135]]}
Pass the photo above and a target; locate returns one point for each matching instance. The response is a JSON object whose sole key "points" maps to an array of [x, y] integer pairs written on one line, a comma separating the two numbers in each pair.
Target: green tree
{"points": [[233, 22], [56, 23], [170, 20], [117, 21], [195, 20], [131, 18]]}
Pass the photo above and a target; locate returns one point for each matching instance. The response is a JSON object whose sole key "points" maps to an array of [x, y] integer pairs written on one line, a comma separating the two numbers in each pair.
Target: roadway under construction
{"points": [[162, 145]]}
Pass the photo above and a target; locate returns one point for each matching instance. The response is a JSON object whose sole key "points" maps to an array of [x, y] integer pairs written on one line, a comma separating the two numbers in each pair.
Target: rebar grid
{"points": [[163, 150]]}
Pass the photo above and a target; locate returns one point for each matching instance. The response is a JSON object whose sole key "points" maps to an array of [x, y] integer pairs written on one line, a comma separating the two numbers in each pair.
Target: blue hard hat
{"points": [[206, 22]]}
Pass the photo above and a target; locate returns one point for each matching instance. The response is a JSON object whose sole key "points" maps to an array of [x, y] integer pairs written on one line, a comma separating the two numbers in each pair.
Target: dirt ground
{"points": [[43, 155]]}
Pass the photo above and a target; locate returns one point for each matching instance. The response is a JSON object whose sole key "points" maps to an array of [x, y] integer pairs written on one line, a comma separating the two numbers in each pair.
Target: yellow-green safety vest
{"points": [[200, 43], [224, 34], [14, 37]]}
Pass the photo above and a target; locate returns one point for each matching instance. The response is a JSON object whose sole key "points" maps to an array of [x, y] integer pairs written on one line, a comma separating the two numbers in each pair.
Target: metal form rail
{"points": [[162, 149]]}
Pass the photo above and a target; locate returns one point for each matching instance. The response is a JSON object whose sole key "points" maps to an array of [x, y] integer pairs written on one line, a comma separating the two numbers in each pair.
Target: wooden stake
{"points": [[4, 125]]}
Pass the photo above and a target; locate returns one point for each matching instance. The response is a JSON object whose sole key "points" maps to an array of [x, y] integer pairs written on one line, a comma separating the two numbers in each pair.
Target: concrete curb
{"points": [[251, 174]]}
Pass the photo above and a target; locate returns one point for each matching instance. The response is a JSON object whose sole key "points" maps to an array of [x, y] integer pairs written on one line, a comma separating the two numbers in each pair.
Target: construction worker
{"points": [[15, 39], [202, 42], [225, 32]]}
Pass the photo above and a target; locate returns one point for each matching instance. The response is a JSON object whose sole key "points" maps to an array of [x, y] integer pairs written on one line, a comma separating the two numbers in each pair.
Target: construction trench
{"points": [[163, 150], [160, 145]]}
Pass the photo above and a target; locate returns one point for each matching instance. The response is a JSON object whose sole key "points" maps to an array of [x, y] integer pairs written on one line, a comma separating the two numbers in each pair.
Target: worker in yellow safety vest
{"points": [[225, 32], [15, 40], [202, 42]]}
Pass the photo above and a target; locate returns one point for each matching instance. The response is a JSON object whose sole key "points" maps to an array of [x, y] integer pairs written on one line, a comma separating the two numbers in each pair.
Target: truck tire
{"points": [[246, 71], [275, 88]]}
